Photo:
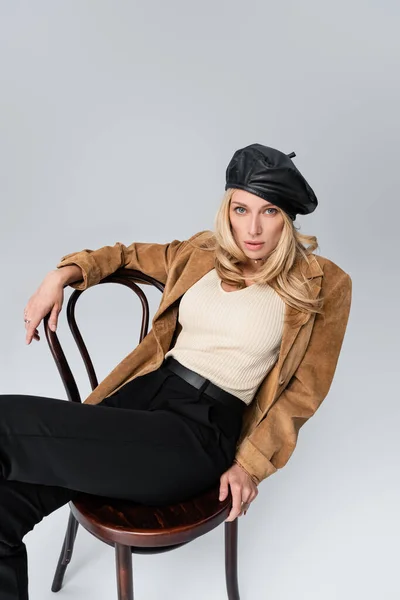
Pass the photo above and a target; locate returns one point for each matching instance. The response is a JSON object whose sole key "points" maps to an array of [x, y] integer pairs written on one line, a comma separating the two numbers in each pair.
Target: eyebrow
{"points": [[245, 205]]}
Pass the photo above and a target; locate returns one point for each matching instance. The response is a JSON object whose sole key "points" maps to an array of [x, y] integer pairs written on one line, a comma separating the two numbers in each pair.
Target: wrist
{"points": [[252, 477], [66, 275], [57, 276]]}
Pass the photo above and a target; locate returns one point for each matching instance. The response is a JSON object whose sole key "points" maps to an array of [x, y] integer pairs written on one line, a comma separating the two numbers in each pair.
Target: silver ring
{"points": [[26, 321]]}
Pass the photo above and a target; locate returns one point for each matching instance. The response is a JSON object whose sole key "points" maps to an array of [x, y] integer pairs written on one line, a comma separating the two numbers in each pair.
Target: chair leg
{"points": [[231, 570], [66, 553], [123, 562]]}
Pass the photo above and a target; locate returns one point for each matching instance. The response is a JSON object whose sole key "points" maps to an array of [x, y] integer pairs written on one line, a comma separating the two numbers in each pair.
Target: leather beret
{"points": [[272, 175]]}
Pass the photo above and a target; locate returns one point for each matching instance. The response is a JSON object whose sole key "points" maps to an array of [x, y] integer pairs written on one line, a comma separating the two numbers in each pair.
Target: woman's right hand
{"points": [[48, 297]]}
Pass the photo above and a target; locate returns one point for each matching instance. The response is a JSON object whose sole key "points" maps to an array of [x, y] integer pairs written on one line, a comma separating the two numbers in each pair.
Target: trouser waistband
{"points": [[198, 381]]}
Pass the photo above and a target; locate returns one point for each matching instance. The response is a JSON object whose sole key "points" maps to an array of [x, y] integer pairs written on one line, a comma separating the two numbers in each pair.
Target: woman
{"points": [[242, 351]]}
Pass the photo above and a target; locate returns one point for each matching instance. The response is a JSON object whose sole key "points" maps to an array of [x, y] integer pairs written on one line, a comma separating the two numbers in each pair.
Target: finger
{"points": [[236, 492], [27, 327], [223, 489], [30, 329], [249, 501], [32, 325], [31, 334], [234, 513], [53, 317]]}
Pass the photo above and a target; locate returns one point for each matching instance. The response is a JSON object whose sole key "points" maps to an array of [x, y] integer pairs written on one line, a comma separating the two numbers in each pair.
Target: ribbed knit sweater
{"points": [[231, 338]]}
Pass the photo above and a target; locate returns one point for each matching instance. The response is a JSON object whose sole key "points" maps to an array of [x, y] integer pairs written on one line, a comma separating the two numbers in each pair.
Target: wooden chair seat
{"points": [[140, 526]]}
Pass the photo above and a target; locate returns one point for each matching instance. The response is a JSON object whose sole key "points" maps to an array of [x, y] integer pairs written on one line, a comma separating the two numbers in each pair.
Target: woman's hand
{"points": [[48, 297], [243, 490]]}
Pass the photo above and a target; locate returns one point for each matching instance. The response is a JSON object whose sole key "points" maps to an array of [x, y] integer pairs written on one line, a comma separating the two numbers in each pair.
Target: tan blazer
{"points": [[293, 389]]}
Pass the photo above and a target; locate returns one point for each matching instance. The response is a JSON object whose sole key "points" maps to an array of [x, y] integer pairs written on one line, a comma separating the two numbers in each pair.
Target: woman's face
{"points": [[254, 219]]}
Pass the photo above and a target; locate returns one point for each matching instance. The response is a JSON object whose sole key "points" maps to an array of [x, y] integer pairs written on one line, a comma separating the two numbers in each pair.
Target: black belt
{"points": [[198, 381]]}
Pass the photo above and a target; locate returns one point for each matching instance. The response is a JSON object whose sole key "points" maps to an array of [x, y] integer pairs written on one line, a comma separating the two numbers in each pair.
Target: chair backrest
{"points": [[126, 277]]}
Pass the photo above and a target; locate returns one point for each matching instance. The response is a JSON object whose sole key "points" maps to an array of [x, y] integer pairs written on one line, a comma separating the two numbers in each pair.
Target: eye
{"points": [[268, 208]]}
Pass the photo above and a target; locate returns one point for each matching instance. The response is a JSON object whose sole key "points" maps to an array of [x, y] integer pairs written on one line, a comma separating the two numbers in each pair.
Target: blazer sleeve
{"points": [[270, 445], [150, 258]]}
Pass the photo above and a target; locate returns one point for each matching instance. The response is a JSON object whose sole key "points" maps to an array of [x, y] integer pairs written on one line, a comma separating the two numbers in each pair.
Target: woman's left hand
{"points": [[243, 490]]}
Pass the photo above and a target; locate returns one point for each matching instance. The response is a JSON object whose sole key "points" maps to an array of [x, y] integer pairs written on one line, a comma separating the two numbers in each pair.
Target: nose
{"points": [[255, 228]]}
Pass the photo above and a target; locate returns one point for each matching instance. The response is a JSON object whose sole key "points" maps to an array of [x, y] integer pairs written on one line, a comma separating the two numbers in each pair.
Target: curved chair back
{"points": [[126, 277]]}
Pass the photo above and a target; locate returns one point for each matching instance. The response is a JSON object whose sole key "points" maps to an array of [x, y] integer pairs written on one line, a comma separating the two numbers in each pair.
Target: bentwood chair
{"points": [[130, 527]]}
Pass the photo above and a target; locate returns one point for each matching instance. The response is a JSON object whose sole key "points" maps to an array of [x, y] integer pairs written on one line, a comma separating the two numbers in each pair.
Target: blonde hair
{"points": [[292, 247]]}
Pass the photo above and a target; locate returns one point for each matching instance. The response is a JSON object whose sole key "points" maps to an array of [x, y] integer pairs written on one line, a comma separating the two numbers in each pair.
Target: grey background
{"points": [[117, 122]]}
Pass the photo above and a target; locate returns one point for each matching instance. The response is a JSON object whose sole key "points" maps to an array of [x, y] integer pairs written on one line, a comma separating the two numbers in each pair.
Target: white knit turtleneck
{"points": [[231, 338]]}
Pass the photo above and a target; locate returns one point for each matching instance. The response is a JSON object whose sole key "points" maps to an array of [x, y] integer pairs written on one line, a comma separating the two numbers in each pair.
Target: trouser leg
{"points": [[22, 506], [51, 449], [142, 455]]}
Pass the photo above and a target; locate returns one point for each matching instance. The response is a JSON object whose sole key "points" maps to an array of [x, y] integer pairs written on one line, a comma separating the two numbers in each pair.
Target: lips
{"points": [[254, 246]]}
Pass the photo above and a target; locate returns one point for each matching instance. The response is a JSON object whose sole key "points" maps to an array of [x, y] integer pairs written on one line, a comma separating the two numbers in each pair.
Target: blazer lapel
{"points": [[295, 319], [199, 263]]}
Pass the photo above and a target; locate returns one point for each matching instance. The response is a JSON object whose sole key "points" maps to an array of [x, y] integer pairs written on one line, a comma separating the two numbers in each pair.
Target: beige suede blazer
{"points": [[289, 394]]}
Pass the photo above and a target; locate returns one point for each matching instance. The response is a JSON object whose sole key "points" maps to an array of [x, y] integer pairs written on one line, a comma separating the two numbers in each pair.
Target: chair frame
{"points": [[212, 511]]}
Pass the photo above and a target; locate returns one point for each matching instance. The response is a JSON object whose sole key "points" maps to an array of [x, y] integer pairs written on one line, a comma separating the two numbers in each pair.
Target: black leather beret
{"points": [[272, 175]]}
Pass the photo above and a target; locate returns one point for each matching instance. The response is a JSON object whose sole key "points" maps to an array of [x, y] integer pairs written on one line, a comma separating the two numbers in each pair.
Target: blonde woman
{"points": [[241, 353]]}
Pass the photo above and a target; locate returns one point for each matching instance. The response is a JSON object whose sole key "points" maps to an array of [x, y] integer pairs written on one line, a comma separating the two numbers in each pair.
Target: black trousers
{"points": [[158, 440]]}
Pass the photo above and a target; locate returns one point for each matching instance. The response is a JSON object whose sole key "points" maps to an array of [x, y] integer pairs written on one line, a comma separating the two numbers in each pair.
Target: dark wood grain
{"points": [[139, 526]]}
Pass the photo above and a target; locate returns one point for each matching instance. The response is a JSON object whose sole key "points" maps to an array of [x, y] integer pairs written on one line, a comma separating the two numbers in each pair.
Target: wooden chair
{"points": [[130, 527]]}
